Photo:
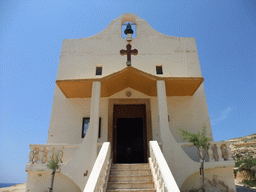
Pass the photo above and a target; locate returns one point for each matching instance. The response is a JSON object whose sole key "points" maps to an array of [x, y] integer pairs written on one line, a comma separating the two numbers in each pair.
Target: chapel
{"points": [[120, 98]]}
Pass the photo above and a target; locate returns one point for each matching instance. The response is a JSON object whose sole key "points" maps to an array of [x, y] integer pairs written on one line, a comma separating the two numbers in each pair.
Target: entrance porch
{"points": [[148, 84]]}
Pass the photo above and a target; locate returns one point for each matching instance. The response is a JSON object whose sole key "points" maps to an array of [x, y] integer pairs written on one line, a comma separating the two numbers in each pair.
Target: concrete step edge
{"points": [[120, 169], [131, 190], [130, 170], [128, 190], [130, 178], [131, 164], [118, 182], [130, 175], [145, 166]]}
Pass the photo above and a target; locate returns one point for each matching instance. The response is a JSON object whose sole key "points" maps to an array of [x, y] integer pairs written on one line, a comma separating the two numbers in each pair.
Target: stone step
{"points": [[131, 169], [131, 166], [130, 178], [130, 172], [130, 185], [131, 190]]}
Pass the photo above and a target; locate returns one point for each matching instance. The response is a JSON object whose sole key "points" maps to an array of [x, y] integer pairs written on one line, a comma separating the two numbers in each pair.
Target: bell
{"points": [[128, 31]]}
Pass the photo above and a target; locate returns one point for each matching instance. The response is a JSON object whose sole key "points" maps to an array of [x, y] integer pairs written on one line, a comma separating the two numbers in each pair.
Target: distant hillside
{"points": [[243, 146]]}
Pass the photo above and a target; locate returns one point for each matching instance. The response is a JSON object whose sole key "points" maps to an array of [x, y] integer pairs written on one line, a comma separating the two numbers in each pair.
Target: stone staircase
{"points": [[130, 178]]}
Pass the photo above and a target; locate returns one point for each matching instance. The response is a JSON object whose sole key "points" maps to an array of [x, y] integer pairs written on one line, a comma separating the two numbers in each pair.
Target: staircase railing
{"points": [[162, 175], [100, 172]]}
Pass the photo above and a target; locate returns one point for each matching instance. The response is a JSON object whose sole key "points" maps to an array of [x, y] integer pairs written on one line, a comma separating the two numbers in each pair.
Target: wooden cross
{"points": [[129, 52]]}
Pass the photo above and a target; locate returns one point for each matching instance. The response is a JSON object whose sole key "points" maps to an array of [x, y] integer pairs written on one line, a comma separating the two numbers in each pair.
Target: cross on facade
{"points": [[129, 52]]}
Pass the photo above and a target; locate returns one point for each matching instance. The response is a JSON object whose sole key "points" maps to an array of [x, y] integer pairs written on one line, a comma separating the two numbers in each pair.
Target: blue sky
{"points": [[31, 34]]}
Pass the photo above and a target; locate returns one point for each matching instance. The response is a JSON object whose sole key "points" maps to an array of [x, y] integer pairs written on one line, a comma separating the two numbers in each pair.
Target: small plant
{"points": [[53, 164], [202, 144]]}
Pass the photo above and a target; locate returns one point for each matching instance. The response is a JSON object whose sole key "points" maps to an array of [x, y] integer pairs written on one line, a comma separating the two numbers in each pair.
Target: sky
{"points": [[31, 35]]}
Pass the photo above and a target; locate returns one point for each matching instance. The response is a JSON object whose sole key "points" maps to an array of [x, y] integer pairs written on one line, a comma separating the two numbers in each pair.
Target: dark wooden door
{"points": [[130, 134]]}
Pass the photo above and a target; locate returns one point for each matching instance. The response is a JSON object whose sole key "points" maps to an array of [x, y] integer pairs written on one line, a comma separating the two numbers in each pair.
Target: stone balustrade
{"points": [[100, 172], [162, 176], [218, 151], [41, 154]]}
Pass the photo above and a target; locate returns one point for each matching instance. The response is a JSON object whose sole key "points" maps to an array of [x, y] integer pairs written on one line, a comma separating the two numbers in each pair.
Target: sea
{"points": [[3, 185]]}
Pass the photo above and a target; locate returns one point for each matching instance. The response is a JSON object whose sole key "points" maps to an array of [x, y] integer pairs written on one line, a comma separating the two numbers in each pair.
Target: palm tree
{"points": [[53, 164]]}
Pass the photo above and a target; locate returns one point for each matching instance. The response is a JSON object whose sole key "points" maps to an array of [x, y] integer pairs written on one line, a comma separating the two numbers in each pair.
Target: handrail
{"points": [[99, 176], [162, 175]]}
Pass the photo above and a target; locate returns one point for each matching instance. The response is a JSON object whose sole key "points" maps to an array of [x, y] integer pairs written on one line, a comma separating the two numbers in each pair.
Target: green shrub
{"points": [[251, 183], [248, 164]]}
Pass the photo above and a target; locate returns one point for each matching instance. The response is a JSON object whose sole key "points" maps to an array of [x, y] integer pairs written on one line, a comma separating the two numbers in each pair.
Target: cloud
{"points": [[224, 115]]}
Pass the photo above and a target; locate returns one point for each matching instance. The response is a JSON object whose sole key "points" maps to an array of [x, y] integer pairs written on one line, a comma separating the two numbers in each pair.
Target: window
{"points": [[85, 126], [159, 70], [98, 70]]}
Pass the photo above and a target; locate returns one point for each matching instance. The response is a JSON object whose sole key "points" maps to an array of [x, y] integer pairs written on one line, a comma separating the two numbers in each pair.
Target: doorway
{"points": [[129, 134]]}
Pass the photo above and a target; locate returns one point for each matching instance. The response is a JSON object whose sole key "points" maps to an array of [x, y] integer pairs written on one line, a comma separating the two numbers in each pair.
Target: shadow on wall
{"points": [[41, 181], [216, 180]]}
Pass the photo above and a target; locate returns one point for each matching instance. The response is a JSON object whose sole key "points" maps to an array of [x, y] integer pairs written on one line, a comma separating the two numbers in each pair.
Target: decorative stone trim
{"points": [[41, 154], [218, 151]]}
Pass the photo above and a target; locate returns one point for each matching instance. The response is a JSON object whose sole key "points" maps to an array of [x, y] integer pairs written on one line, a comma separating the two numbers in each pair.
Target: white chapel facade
{"points": [[127, 92]]}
